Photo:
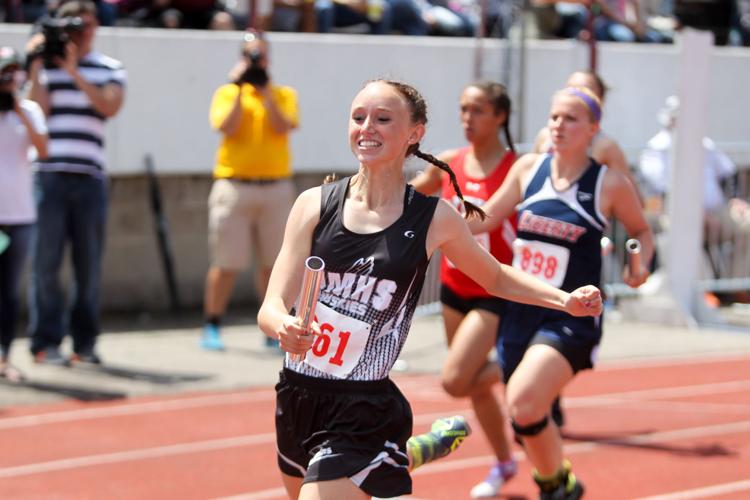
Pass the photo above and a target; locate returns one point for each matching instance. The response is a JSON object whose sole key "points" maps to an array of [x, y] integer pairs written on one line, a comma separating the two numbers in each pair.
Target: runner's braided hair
{"points": [[418, 108]]}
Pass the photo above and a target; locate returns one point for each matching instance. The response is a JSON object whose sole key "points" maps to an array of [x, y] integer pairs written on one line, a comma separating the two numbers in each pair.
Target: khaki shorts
{"points": [[246, 219]]}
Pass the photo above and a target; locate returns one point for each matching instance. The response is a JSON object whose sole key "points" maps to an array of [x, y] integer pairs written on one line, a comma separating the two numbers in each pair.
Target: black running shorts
{"points": [[331, 429], [465, 305]]}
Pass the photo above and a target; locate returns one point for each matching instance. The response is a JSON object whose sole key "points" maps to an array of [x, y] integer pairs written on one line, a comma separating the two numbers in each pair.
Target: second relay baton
{"points": [[308, 297], [633, 247]]}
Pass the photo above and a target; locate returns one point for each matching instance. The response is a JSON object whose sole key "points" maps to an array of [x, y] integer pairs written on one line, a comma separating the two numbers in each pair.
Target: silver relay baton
{"points": [[308, 297], [633, 247]]}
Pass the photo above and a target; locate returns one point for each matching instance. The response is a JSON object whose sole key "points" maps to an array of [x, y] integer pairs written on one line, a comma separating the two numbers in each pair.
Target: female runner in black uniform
{"points": [[342, 425]]}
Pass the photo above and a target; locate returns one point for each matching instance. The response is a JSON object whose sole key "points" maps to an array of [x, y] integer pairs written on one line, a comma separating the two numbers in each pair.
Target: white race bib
{"points": [[341, 343], [545, 261]]}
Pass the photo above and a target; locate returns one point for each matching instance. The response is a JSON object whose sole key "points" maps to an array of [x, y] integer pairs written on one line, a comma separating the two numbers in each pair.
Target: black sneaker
{"points": [[571, 492], [564, 485], [50, 356], [86, 357]]}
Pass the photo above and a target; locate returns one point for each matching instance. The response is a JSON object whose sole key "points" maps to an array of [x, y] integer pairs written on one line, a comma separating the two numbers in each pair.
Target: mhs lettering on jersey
{"points": [[549, 227], [353, 291]]}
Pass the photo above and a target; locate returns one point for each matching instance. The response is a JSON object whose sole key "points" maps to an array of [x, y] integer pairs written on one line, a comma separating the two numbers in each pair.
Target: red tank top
{"points": [[499, 242]]}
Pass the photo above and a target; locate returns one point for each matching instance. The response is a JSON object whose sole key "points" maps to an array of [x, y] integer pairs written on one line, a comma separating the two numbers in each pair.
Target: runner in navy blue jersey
{"points": [[563, 200], [342, 425]]}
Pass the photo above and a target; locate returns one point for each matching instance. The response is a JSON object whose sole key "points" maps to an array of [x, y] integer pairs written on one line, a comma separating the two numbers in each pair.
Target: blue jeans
{"points": [[12, 261], [335, 15], [70, 208], [407, 18], [610, 31]]}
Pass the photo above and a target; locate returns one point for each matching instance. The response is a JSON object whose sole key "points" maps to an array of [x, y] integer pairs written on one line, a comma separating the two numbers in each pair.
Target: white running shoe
{"points": [[499, 474]]}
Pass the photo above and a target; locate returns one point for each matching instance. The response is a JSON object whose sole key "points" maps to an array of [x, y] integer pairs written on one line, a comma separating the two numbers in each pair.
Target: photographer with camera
{"points": [[22, 127], [252, 191], [79, 89]]}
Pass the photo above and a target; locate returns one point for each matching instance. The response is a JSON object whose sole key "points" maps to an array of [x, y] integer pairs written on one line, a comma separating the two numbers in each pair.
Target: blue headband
{"points": [[589, 101]]}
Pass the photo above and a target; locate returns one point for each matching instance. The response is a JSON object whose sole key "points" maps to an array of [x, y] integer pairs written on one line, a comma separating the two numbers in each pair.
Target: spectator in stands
{"points": [[447, 18], [555, 19], [190, 14], [30, 11], [722, 216], [499, 16], [659, 16], [623, 21], [252, 191], [742, 21], [290, 15], [22, 127], [375, 14], [78, 92]]}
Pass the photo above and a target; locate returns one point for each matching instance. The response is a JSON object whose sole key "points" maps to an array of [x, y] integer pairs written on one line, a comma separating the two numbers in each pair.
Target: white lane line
{"points": [[667, 406], [662, 392], [708, 491], [258, 495], [269, 395], [159, 451], [135, 409], [572, 449], [256, 439], [281, 493], [140, 454], [702, 358], [584, 447]]}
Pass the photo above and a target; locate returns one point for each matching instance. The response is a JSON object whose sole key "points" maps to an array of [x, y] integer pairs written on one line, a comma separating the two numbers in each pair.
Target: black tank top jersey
{"points": [[570, 219], [375, 278]]}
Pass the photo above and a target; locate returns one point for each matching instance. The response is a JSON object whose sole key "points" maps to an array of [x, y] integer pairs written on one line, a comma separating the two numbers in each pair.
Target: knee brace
{"points": [[531, 429]]}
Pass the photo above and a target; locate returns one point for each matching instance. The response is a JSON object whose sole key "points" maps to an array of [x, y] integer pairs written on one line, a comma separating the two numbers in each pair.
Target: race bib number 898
{"points": [[545, 261], [341, 342]]}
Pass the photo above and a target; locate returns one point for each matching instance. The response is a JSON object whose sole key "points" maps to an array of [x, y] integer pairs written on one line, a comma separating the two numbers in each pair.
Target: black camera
{"points": [[56, 33], [7, 101], [254, 74]]}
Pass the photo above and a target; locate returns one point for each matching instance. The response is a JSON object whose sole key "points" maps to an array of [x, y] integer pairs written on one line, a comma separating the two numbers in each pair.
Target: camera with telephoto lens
{"points": [[254, 74], [57, 32], [7, 99]]}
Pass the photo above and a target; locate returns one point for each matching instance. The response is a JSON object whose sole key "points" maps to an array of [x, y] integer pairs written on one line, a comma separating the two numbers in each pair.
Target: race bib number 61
{"points": [[341, 342], [545, 261]]}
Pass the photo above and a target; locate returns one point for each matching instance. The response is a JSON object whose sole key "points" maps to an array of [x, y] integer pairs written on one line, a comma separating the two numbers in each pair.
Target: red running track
{"points": [[662, 429]]}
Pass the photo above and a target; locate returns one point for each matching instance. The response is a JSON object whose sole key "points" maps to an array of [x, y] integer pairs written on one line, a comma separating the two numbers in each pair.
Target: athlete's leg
{"points": [[467, 372], [537, 381], [219, 285], [331, 490], [470, 338], [292, 485]]}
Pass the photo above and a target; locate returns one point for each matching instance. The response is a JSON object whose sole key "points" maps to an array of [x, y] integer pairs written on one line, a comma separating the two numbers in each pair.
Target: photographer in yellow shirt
{"points": [[252, 191]]}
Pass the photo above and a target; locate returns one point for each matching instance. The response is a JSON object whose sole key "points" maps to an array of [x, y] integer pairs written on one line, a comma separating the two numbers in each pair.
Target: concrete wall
{"points": [[172, 75]]}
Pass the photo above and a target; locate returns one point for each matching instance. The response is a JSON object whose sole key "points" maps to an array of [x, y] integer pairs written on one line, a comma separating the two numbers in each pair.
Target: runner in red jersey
{"points": [[472, 315]]}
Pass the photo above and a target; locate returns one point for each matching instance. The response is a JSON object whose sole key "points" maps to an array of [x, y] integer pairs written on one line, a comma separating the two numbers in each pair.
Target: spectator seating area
{"points": [[647, 21]]}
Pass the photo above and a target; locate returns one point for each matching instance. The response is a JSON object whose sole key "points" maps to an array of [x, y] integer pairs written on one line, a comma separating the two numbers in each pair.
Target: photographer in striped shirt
{"points": [[78, 89]]}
